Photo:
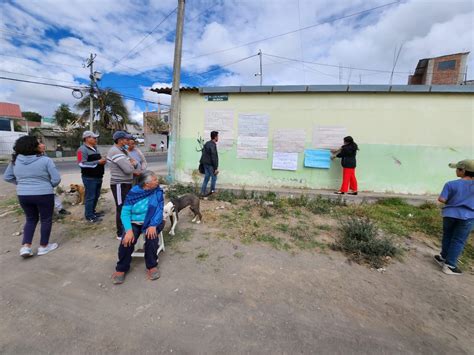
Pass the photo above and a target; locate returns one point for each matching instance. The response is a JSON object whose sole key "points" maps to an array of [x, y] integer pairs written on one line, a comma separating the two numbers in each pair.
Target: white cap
{"points": [[89, 134]]}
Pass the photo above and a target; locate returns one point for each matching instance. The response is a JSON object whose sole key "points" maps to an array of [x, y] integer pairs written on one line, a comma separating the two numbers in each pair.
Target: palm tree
{"points": [[64, 116], [109, 106]]}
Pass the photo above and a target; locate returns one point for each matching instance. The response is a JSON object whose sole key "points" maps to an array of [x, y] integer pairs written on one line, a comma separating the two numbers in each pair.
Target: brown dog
{"points": [[81, 192]]}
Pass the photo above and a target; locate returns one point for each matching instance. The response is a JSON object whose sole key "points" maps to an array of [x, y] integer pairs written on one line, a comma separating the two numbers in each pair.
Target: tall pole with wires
{"points": [[261, 67], [178, 45], [90, 65]]}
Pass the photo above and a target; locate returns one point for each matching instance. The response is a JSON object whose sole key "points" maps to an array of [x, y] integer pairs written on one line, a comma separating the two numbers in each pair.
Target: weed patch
{"points": [[360, 239], [202, 256], [179, 189]]}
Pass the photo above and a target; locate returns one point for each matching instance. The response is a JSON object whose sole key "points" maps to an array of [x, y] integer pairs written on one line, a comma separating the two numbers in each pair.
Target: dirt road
{"points": [[219, 296]]}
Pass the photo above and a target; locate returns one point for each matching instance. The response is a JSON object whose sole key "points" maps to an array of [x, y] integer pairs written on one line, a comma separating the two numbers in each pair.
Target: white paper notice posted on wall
{"points": [[285, 161], [221, 121], [252, 140], [289, 140], [328, 137]]}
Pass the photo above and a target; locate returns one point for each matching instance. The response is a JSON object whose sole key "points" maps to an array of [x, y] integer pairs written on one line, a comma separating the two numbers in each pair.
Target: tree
{"points": [[64, 116], [109, 106], [32, 116], [156, 124]]}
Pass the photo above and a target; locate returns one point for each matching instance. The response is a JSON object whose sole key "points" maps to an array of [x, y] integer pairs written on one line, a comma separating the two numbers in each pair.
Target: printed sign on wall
{"points": [[317, 159], [285, 161], [328, 137], [223, 122], [289, 140], [252, 141]]}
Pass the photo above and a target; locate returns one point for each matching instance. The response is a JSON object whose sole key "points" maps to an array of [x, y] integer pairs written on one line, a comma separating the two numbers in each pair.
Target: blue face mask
{"points": [[125, 147]]}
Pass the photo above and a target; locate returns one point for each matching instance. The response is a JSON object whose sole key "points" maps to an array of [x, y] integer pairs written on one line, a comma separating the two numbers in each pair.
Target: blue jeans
{"points": [[92, 187], [151, 247], [209, 174], [455, 234]]}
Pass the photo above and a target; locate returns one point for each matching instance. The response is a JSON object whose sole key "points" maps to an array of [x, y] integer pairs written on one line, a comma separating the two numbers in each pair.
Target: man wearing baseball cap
{"points": [[458, 216], [121, 174], [92, 170]]}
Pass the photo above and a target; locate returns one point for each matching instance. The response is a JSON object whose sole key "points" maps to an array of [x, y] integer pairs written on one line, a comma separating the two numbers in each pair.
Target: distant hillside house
{"points": [[8, 114]]}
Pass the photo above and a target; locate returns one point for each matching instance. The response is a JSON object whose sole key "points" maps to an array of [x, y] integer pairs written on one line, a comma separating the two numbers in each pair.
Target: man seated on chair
{"points": [[142, 213]]}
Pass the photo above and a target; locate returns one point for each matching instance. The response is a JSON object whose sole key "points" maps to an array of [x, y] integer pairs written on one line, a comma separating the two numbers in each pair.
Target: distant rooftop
{"points": [[10, 110]]}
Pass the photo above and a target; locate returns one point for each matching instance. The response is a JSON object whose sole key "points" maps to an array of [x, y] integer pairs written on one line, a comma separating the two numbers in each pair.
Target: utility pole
{"points": [[175, 116], [260, 73], [90, 64]]}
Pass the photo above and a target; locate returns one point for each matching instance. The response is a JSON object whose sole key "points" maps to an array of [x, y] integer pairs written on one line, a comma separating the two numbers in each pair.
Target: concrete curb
{"points": [[362, 197]]}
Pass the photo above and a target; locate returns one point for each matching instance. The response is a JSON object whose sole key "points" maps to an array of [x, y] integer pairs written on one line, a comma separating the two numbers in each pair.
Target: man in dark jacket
{"points": [[210, 161]]}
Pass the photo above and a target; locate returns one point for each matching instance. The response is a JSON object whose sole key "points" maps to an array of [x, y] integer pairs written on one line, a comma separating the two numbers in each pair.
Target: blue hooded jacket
{"points": [[33, 175]]}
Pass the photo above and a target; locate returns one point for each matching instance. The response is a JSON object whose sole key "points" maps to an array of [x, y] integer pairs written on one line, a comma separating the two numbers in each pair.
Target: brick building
{"points": [[445, 70]]}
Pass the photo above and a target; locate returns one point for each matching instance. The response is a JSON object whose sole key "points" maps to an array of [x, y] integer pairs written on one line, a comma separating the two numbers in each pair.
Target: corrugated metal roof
{"points": [[467, 89], [10, 110]]}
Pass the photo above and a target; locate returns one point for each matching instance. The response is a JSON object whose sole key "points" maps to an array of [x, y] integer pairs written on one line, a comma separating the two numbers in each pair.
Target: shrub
{"points": [[178, 190], [361, 241]]}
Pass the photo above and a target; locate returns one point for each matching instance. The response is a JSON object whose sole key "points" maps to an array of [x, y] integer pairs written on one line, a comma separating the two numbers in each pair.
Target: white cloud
{"points": [[111, 28]]}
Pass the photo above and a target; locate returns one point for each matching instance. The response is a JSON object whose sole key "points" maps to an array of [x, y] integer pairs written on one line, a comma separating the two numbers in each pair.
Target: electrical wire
{"points": [[146, 36], [45, 84], [37, 77], [226, 65], [297, 30]]}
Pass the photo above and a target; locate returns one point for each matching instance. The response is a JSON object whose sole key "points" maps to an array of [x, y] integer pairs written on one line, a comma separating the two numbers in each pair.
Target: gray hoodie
{"points": [[33, 175]]}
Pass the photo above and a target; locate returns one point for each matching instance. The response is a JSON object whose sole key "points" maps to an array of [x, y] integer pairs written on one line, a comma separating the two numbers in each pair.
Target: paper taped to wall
{"points": [[289, 140], [252, 140], [317, 158], [223, 122], [328, 137], [285, 161]]}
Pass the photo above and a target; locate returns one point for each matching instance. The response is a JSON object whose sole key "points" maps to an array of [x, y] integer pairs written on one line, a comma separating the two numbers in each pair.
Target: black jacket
{"points": [[209, 155], [348, 156]]}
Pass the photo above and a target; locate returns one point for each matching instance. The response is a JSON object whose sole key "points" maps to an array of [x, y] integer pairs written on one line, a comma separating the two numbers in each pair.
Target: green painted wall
{"points": [[406, 140]]}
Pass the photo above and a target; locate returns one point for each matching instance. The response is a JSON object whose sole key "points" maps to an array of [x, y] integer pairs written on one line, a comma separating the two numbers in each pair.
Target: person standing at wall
{"points": [[162, 146], [347, 153], [458, 216], [135, 153], [121, 174], [92, 171], [210, 161], [35, 176]]}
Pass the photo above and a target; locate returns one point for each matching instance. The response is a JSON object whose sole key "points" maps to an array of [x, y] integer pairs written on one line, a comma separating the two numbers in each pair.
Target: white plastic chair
{"points": [[139, 251]]}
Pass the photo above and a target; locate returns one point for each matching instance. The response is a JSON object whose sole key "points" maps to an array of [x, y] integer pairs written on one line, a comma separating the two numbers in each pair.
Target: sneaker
{"points": [[26, 252], [118, 238], [118, 278], [94, 220], [153, 274], [439, 260], [99, 214], [47, 248], [450, 270], [64, 212]]}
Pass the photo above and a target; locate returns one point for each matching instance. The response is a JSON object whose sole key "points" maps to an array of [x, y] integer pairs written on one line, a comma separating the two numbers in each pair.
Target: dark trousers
{"points": [[455, 235], [119, 191], [92, 187], [151, 247], [37, 207]]}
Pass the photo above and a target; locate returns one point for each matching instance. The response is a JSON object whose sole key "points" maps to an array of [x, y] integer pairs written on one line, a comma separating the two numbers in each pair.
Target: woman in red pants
{"points": [[347, 153]]}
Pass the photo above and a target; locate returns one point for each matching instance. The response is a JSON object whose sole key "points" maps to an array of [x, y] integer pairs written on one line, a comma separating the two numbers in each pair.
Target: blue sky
{"points": [[49, 40]]}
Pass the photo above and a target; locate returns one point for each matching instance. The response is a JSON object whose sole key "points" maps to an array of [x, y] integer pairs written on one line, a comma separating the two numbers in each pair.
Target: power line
{"points": [[297, 30], [334, 65], [40, 62], [37, 77], [40, 83], [147, 35], [226, 65]]}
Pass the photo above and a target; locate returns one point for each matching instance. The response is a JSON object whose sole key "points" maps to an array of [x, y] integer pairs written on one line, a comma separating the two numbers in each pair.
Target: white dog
{"points": [[172, 208]]}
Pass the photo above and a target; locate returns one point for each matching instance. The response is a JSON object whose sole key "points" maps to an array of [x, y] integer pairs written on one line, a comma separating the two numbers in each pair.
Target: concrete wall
{"points": [[406, 140]]}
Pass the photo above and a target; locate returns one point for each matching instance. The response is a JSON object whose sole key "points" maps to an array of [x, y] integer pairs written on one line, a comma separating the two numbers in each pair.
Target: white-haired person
{"points": [[142, 212]]}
